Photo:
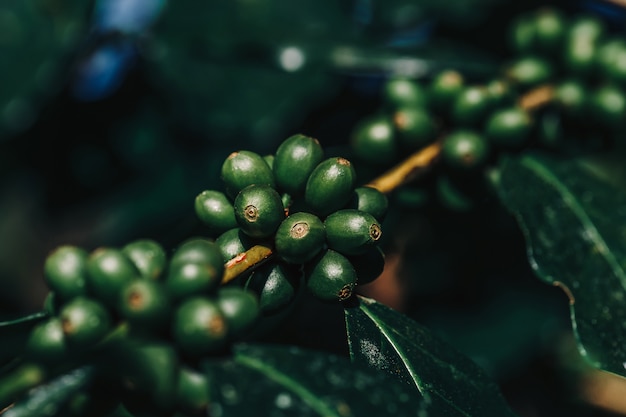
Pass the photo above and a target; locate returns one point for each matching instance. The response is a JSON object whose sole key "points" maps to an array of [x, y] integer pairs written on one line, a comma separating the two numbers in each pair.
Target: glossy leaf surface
{"points": [[47, 399], [451, 383], [574, 222], [288, 381]]}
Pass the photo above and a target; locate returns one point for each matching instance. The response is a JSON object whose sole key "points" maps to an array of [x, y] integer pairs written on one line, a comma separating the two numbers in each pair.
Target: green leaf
{"points": [[289, 381], [451, 383], [14, 333], [45, 400], [574, 222]]}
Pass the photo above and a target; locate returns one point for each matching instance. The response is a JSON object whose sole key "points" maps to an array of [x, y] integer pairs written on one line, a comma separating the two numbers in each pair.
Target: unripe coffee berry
{"points": [[259, 210], [299, 238]]}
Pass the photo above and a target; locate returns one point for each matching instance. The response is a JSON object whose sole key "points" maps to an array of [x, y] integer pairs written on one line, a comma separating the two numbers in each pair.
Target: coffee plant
{"points": [[312, 208]]}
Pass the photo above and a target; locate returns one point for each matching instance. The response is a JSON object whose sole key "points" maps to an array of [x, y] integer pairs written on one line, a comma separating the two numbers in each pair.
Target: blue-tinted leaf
{"points": [[451, 383], [574, 221]]}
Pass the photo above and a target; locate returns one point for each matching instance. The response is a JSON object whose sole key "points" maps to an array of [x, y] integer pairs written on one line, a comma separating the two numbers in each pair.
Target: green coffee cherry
{"points": [[84, 322], [351, 232], [276, 285], [259, 210], [608, 106], [571, 96], [144, 304], [46, 342], [215, 210], [522, 34], [611, 60], [109, 270], [499, 93], [579, 56], [295, 159], [192, 392], [244, 168], [269, 160], [240, 309], [530, 72], [371, 201], [400, 92], [299, 238], [330, 186], [233, 242], [331, 277], [200, 250], [586, 27], [414, 127], [148, 256], [65, 271], [464, 150], [199, 326], [369, 265], [444, 89], [509, 127], [373, 140], [185, 279], [550, 29], [471, 106]]}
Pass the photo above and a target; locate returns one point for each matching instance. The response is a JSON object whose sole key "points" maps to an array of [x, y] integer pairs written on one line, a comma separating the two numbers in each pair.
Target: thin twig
{"points": [[245, 261], [407, 170]]}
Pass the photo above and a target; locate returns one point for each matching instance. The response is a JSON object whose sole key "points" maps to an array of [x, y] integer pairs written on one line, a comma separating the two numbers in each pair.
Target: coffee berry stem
{"points": [[537, 98], [407, 170], [245, 261]]}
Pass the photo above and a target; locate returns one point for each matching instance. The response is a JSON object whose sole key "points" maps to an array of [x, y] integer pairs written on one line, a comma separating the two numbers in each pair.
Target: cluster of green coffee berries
{"points": [[322, 229], [132, 302], [569, 65]]}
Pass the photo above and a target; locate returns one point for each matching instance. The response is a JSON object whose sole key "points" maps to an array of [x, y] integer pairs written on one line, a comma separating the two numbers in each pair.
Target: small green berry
{"points": [[240, 309], [371, 201], [299, 238], [65, 271], [414, 127], [276, 285], [144, 304], [109, 270], [471, 106], [608, 106], [373, 140], [259, 211], [193, 392], [185, 279], [244, 168], [530, 72], [148, 256], [331, 277], [200, 250], [46, 342], [199, 326], [351, 232], [84, 322], [215, 210], [509, 127], [464, 150], [444, 89], [399, 92], [330, 186], [295, 159], [232, 243]]}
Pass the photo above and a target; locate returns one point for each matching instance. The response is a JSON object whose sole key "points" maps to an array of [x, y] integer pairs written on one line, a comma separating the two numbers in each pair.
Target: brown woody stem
{"points": [[407, 170], [245, 261], [537, 98]]}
